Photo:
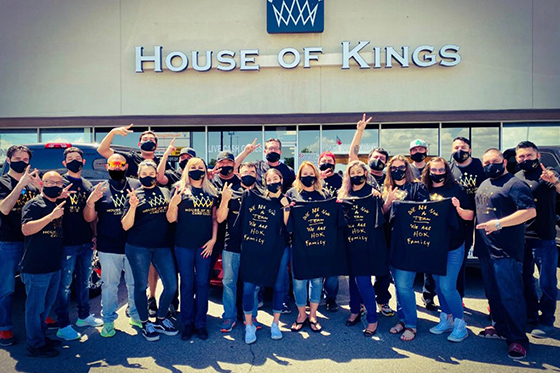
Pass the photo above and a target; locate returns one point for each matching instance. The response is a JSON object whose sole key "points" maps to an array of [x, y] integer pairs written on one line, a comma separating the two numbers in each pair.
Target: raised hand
{"points": [[123, 131], [96, 194], [213, 172], [363, 123], [249, 148], [132, 198], [548, 175], [66, 192], [58, 211], [177, 196], [227, 192], [376, 193], [171, 148]]}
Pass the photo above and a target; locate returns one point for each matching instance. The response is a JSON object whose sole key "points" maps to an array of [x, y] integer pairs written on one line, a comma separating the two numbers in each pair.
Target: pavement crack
{"points": [[252, 359]]}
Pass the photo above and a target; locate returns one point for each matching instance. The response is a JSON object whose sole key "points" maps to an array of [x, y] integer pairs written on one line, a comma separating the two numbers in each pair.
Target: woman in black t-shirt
{"points": [[148, 242], [193, 207], [439, 180]]}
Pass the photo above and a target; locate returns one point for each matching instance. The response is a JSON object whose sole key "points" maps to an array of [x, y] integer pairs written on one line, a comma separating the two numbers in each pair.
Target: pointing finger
{"points": [[62, 204]]}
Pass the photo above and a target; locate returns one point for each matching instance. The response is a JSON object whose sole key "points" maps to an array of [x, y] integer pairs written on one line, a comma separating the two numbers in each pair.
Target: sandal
{"points": [[315, 326], [370, 333], [297, 326], [399, 328], [412, 333]]}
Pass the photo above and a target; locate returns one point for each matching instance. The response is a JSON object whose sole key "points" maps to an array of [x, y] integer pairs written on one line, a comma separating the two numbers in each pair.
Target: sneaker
{"points": [[152, 307], [127, 312], [45, 351], [516, 351], [89, 321], [332, 306], [51, 323], [542, 331], [201, 333], [445, 324], [165, 326], [52, 342], [460, 331], [286, 309], [68, 333], [134, 322], [386, 310], [429, 304], [149, 332], [227, 325], [187, 332], [7, 338], [491, 333], [275, 332], [108, 330], [250, 334]]}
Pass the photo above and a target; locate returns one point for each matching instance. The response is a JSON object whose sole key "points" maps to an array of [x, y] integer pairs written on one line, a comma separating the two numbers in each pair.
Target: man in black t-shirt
{"points": [[17, 187], [503, 204], [418, 154], [41, 220], [540, 239]]}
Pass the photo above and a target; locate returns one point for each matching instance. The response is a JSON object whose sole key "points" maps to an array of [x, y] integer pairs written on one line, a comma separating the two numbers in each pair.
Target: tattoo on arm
{"points": [[356, 149]]}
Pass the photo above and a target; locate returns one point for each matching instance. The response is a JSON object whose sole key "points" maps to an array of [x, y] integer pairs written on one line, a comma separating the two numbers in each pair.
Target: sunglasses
{"points": [[116, 163], [437, 170], [393, 168]]}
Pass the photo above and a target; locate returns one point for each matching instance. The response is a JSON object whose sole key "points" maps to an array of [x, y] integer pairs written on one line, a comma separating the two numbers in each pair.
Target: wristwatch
{"points": [[498, 225], [286, 208]]}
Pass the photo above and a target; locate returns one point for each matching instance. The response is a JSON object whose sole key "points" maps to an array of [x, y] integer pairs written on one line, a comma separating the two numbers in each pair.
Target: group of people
{"points": [[272, 225]]}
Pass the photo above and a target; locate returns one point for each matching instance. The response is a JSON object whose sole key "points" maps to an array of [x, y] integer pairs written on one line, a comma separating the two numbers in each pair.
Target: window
{"points": [[447, 136], [288, 136], [308, 144], [396, 139], [484, 138], [541, 134], [70, 135], [15, 137], [338, 138], [233, 139], [131, 140]]}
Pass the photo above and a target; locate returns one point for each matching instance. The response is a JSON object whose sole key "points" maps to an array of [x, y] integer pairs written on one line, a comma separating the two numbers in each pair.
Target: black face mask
{"points": [[493, 170], [376, 164], [461, 156], [18, 166], [418, 157], [196, 174], [357, 180], [226, 170], [438, 178], [147, 181], [529, 165], [148, 146], [398, 175], [183, 164], [308, 180], [117, 175], [273, 157], [326, 166], [75, 165], [274, 187], [248, 180], [52, 191]]}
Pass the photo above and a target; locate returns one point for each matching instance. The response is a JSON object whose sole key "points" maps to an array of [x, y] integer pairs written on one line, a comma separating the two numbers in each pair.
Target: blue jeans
{"points": [[112, 266], [230, 264], [544, 254], [74, 259], [250, 289], [331, 287], [194, 270], [406, 301], [300, 291], [362, 291], [10, 256], [41, 290], [503, 283], [140, 259], [446, 286]]}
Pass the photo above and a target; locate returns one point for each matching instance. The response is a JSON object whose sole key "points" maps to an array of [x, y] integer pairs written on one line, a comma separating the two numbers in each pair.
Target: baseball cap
{"points": [[188, 150], [418, 142], [225, 154]]}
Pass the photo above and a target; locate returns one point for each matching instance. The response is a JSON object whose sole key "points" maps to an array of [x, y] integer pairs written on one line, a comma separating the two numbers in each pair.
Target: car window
{"points": [[549, 160]]}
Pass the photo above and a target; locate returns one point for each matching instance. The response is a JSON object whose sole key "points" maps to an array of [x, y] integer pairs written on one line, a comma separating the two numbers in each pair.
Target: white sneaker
{"points": [[460, 331], [445, 324], [89, 321], [68, 333]]}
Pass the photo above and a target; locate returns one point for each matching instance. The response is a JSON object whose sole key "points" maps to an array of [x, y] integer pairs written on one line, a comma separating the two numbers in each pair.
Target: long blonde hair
{"points": [[207, 186], [317, 185], [346, 187]]}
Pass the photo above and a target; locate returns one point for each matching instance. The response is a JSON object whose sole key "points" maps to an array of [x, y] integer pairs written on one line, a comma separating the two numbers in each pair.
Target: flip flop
{"points": [[315, 326], [297, 326]]}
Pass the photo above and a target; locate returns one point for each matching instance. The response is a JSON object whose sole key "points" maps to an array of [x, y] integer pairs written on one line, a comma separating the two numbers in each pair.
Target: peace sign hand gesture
{"points": [[66, 192], [132, 198], [28, 177], [227, 192], [96, 194], [177, 196], [249, 148], [123, 131], [363, 123]]}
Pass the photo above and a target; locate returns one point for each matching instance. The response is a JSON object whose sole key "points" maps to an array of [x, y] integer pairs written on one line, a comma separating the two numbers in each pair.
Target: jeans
{"points": [[194, 270], [381, 287], [503, 283], [300, 291], [469, 238], [249, 289], [230, 264], [406, 301], [544, 254], [41, 290], [140, 259], [331, 287], [446, 286], [362, 291], [74, 259], [112, 266], [10, 256]]}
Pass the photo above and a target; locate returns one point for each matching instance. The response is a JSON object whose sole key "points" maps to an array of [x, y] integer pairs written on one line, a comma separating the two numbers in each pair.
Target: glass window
{"points": [[131, 140], [539, 133], [233, 139], [308, 144], [288, 136], [15, 137], [396, 139], [484, 138], [338, 138], [183, 138], [549, 160], [198, 142], [447, 136], [70, 135]]}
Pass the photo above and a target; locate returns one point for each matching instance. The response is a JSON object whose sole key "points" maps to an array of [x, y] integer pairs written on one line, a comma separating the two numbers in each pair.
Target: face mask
{"points": [[52, 191], [529, 164], [273, 157], [493, 170], [461, 156], [75, 165], [117, 175], [437, 178], [376, 164], [196, 174], [183, 164], [147, 181], [308, 180], [358, 180], [418, 157], [226, 170], [398, 175], [148, 146], [326, 166], [248, 180], [18, 166], [274, 187]]}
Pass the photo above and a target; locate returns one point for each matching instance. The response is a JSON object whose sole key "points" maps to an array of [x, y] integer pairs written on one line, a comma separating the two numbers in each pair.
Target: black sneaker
{"points": [[332, 306], [201, 333], [45, 351], [286, 308], [165, 326], [430, 305], [127, 312], [187, 332], [53, 342], [149, 332], [152, 307]]}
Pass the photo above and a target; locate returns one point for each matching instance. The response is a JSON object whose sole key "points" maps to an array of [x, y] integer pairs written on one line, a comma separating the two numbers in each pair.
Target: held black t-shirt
{"points": [[365, 191], [496, 199], [111, 237], [151, 228], [469, 177], [77, 231], [543, 226], [333, 184], [133, 159], [287, 172], [194, 219], [43, 250], [10, 225], [414, 191], [304, 196]]}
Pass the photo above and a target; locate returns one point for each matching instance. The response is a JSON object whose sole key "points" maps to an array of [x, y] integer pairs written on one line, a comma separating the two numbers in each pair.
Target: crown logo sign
{"points": [[119, 199], [202, 201], [156, 201], [287, 16]]}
